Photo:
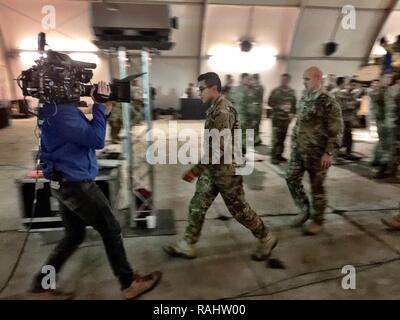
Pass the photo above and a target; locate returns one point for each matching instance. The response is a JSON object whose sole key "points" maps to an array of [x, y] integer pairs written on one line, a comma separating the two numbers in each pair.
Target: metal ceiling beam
{"points": [[202, 35]]}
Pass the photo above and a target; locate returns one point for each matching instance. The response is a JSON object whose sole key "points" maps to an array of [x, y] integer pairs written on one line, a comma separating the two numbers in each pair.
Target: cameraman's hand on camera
{"points": [[103, 91]]}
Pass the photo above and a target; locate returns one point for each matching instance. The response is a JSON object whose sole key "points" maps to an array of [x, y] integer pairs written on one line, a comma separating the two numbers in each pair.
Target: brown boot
{"points": [[392, 223], [313, 228], [264, 248], [141, 285]]}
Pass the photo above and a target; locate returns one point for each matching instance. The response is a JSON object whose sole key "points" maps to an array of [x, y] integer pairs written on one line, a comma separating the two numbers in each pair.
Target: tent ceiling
{"points": [[287, 29]]}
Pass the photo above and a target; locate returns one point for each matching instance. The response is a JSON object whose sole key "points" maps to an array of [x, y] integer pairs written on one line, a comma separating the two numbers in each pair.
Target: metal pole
{"points": [[126, 139], [148, 115]]}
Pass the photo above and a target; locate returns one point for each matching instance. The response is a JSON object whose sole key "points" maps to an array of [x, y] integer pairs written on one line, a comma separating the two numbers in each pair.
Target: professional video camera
{"points": [[57, 78]]}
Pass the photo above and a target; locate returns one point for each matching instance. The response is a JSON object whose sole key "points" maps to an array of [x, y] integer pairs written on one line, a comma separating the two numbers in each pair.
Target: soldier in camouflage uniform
{"points": [[221, 178], [115, 122], [282, 100], [242, 98], [377, 94], [137, 106], [317, 132], [391, 145], [392, 149], [347, 103], [330, 82], [256, 108]]}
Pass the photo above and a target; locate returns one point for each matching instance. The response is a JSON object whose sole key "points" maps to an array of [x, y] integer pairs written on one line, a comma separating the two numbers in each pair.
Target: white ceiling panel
{"points": [[270, 26], [257, 2], [375, 4], [187, 37], [316, 26]]}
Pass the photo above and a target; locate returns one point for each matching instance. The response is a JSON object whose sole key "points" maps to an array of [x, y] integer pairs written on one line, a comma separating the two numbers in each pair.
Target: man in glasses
{"points": [[220, 178]]}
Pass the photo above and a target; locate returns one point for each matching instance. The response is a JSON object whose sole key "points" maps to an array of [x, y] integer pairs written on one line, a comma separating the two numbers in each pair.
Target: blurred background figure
{"points": [[377, 94], [228, 84], [330, 82], [348, 105], [282, 100], [115, 122], [191, 91], [256, 110], [391, 143], [137, 105]]}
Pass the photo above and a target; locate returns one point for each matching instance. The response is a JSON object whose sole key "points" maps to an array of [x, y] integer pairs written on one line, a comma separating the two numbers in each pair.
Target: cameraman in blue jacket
{"points": [[68, 153]]}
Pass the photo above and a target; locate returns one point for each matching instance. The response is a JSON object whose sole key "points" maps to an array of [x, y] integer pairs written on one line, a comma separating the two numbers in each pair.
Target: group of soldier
{"points": [[323, 116], [247, 98]]}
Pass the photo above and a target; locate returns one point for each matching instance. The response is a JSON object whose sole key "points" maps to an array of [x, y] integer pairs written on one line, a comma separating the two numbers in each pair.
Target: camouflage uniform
{"points": [[255, 111], [378, 111], [318, 130], [348, 105], [115, 121], [243, 97], [137, 106], [391, 154], [283, 103], [220, 178]]}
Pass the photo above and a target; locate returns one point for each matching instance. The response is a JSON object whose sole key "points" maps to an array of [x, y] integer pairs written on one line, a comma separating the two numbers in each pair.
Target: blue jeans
{"points": [[81, 204]]}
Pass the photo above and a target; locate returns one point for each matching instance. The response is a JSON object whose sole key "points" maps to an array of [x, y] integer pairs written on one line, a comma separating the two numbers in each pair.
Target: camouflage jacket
{"points": [[392, 110], [242, 98], [319, 125], [221, 115], [377, 97], [283, 102], [347, 104]]}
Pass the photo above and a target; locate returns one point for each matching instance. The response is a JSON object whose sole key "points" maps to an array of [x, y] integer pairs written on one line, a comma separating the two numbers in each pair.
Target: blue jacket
{"points": [[69, 141]]}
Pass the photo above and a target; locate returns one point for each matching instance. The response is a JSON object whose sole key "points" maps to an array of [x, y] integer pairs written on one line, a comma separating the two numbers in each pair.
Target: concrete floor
{"points": [[223, 269]]}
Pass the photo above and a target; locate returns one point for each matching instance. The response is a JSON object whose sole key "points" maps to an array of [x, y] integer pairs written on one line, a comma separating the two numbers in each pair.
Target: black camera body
{"points": [[56, 78]]}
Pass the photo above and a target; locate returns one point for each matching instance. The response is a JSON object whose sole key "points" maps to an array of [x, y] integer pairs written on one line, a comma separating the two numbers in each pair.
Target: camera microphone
{"points": [[41, 42]]}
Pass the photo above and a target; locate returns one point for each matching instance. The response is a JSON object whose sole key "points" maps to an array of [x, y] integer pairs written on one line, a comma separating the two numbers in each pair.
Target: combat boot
{"points": [[264, 248], [392, 223], [392, 178], [312, 228], [381, 174], [275, 161], [181, 249]]}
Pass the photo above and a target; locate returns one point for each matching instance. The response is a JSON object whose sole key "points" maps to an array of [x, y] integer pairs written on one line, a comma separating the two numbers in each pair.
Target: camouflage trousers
{"points": [[115, 126], [279, 131], [391, 149], [208, 186], [254, 123], [298, 165], [378, 152]]}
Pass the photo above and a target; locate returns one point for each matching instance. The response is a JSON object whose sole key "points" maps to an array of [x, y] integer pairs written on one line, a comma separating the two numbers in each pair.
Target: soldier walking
{"points": [[317, 132], [214, 179]]}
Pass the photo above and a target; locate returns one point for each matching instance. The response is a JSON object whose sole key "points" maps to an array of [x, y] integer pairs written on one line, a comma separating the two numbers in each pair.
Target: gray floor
{"points": [[353, 236]]}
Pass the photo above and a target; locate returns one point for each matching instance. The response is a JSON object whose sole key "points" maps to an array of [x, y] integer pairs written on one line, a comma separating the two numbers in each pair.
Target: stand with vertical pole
{"points": [[126, 140], [144, 219]]}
